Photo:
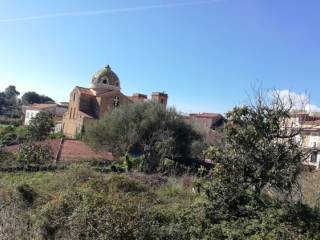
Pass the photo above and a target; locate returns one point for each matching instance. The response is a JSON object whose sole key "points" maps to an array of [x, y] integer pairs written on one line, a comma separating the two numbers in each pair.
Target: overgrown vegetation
{"points": [[34, 154], [9, 102], [10, 135], [82, 204], [146, 129], [40, 126], [250, 193], [32, 97]]}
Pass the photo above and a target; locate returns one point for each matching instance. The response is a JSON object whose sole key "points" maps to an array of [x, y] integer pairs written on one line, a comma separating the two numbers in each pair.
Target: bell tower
{"points": [[160, 97]]}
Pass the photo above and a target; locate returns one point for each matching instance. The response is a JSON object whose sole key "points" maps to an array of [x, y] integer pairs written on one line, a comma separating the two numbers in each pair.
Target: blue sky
{"points": [[206, 55]]}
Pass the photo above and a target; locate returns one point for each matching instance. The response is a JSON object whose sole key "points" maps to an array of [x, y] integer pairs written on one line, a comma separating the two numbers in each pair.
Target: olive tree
{"points": [[259, 153], [145, 128]]}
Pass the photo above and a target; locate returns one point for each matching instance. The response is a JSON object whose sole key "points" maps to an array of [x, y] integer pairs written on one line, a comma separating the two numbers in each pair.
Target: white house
{"points": [[56, 110], [310, 136]]}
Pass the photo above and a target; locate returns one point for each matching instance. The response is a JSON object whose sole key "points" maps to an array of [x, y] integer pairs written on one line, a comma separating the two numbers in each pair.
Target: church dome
{"points": [[106, 78]]}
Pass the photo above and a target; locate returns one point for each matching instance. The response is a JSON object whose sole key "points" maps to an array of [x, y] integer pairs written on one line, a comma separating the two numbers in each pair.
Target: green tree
{"points": [[40, 126], [143, 128], [9, 103], [33, 97], [259, 154]]}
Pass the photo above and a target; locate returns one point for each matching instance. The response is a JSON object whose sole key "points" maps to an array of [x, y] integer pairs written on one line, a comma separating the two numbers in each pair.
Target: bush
{"points": [[56, 135], [4, 120], [98, 210], [40, 126], [146, 129], [26, 194], [7, 159], [34, 154]]}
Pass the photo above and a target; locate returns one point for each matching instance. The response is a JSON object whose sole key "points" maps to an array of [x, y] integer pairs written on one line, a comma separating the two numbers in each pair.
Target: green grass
{"points": [[48, 184], [80, 201]]}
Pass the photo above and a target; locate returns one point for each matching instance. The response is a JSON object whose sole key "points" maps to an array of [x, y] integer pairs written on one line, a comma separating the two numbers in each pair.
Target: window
{"points": [[104, 80], [314, 157], [116, 101]]}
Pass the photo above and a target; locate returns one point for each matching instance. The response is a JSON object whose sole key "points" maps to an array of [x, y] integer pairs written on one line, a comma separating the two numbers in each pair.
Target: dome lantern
{"points": [[105, 78]]}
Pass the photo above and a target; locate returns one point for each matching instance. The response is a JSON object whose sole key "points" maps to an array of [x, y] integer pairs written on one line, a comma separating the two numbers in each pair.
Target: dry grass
{"points": [[310, 187]]}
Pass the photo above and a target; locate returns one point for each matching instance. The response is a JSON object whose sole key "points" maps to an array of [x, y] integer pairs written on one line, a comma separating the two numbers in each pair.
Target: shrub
{"points": [[100, 209], [10, 135], [40, 126], [4, 120], [146, 129], [34, 154], [7, 159], [55, 135], [26, 194]]}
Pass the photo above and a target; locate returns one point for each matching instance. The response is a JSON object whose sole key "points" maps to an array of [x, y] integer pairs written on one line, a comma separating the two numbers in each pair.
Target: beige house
{"points": [[310, 135], [104, 95]]}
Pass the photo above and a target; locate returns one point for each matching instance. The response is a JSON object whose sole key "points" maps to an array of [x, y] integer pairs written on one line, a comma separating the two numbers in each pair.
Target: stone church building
{"points": [[104, 95]]}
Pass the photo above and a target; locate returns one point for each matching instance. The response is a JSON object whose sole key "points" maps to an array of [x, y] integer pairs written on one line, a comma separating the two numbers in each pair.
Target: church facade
{"points": [[104, 95]]}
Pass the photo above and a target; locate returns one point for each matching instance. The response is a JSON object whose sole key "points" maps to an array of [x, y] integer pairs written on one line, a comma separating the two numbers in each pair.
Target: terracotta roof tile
{"points": [[40, 106], [83, 114], [85, 91], [206, 115]]}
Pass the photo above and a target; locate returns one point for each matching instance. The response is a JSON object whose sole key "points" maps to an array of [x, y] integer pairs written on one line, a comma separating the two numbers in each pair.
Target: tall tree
{"points": [[143, 128], [9, 103], [33, 97], [259, 154]]}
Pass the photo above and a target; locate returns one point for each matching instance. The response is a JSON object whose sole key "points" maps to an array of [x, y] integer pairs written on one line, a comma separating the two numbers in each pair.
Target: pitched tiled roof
{"points": [[91, 92], [216, 119], [85, 91], [83, 114], [37, 106], [206, 115]]}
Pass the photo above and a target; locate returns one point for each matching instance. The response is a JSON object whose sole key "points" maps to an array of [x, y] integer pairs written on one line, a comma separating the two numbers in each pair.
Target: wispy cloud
{"points": [[107, 11]]}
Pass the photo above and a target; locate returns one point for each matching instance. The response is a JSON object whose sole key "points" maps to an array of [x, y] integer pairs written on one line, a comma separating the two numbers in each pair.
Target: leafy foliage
{"points": [[10, 135], [6, 158], [259, 155], [246, 196], [9, 103], [143, 128], [34, 154], [79, 203], [40, 126], [32, 97]]}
